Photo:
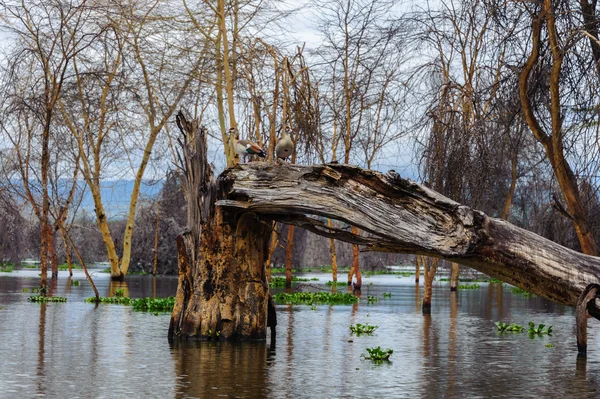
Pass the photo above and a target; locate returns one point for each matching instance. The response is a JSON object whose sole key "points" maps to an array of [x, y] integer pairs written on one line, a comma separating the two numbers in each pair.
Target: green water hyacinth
{"points": [[336, 283], [378, 354], [505, 327], [526, 294], [469, 286], [119, 300], [315, 297], [154, 304], [278, 281], [359, 329], [40, 298], [539, 330], [372, 299]]}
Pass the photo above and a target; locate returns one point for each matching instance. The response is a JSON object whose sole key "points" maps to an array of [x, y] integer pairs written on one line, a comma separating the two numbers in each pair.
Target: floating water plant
{"points": [[336, 283], [505, 327], [40, 298], [539, 330], [549, 345], [74, 283], [372, 299], [363, 329], [119, 292], [7, 268], [119, 300], [469, 286], [315, 297], [387, 294], [142, 304], [378, 354], [527, 294], [154, 304], [277, 281]]}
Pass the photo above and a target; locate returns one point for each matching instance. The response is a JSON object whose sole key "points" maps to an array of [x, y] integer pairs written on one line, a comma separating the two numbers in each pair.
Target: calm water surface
{"points": [[77, 350]]}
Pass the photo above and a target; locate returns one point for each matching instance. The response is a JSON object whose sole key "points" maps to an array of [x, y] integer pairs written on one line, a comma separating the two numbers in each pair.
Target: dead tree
{"points": [[405, 217], [222, 291], [222, 283]]}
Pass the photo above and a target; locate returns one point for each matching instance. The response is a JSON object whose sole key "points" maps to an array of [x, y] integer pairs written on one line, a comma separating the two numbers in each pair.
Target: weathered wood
{"points": [[222, 291], [586, 306], [403, 216]]}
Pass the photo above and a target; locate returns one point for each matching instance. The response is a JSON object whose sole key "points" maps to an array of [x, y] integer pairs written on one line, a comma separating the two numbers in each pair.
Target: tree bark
{"points": [[401, 216], [430, 266], [289, 247], [222, 291], [454, 269], [333, 255], [417, 268]]}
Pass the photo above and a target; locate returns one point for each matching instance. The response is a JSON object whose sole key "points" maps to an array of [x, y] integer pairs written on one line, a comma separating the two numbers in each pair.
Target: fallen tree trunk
{"points": [[403, 216]]}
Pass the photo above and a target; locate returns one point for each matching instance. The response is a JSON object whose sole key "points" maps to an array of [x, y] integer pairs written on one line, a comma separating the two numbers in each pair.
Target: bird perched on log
{"points": [[284, 146], [245, 147]]}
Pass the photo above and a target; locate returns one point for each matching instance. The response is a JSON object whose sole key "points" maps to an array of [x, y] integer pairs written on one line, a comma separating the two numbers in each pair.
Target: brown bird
{"points": [[284, 146], [245, 147]]}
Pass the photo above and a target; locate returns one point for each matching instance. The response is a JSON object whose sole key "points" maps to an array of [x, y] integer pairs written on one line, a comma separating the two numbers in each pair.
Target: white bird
{"points": [[245, 147], [284, 146]]}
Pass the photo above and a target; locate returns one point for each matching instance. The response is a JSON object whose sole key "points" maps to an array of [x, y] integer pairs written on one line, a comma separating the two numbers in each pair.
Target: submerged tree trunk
{"points": [[430, 266], [272, 247], [398, 215], [454, 269], [417, 268], [289, 247], [222, 291], [333, 255]]}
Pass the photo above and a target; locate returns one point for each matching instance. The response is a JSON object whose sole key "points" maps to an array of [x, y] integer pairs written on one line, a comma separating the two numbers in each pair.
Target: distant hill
{"points": [[116, 195]]}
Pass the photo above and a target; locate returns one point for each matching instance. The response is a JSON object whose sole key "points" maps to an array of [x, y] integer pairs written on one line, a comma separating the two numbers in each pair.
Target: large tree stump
{"points": [[223, 292]]}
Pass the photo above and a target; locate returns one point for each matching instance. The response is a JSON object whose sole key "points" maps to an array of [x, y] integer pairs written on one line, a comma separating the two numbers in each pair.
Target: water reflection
{"points": [[40, 374], [121, 285], [220, 369], [78, 350]]}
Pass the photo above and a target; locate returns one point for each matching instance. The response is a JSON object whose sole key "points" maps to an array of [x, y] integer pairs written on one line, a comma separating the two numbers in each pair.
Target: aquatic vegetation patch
{"points": [[539, 330], [64, 266], [75, 283], [315, 297], [336, 283], [387, 294], [359, 329], [372, 299], [278, 281], [512, 327], [119, 300], [40, 298], [32, 290], [7, 268], [549, 345], [469, 287], [119, 292], [378, 354], [154, 304], [141, 304], [526, 294]]}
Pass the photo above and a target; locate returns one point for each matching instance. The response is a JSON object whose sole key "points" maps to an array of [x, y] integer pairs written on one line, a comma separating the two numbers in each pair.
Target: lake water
{"points": [[78, 350]]}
